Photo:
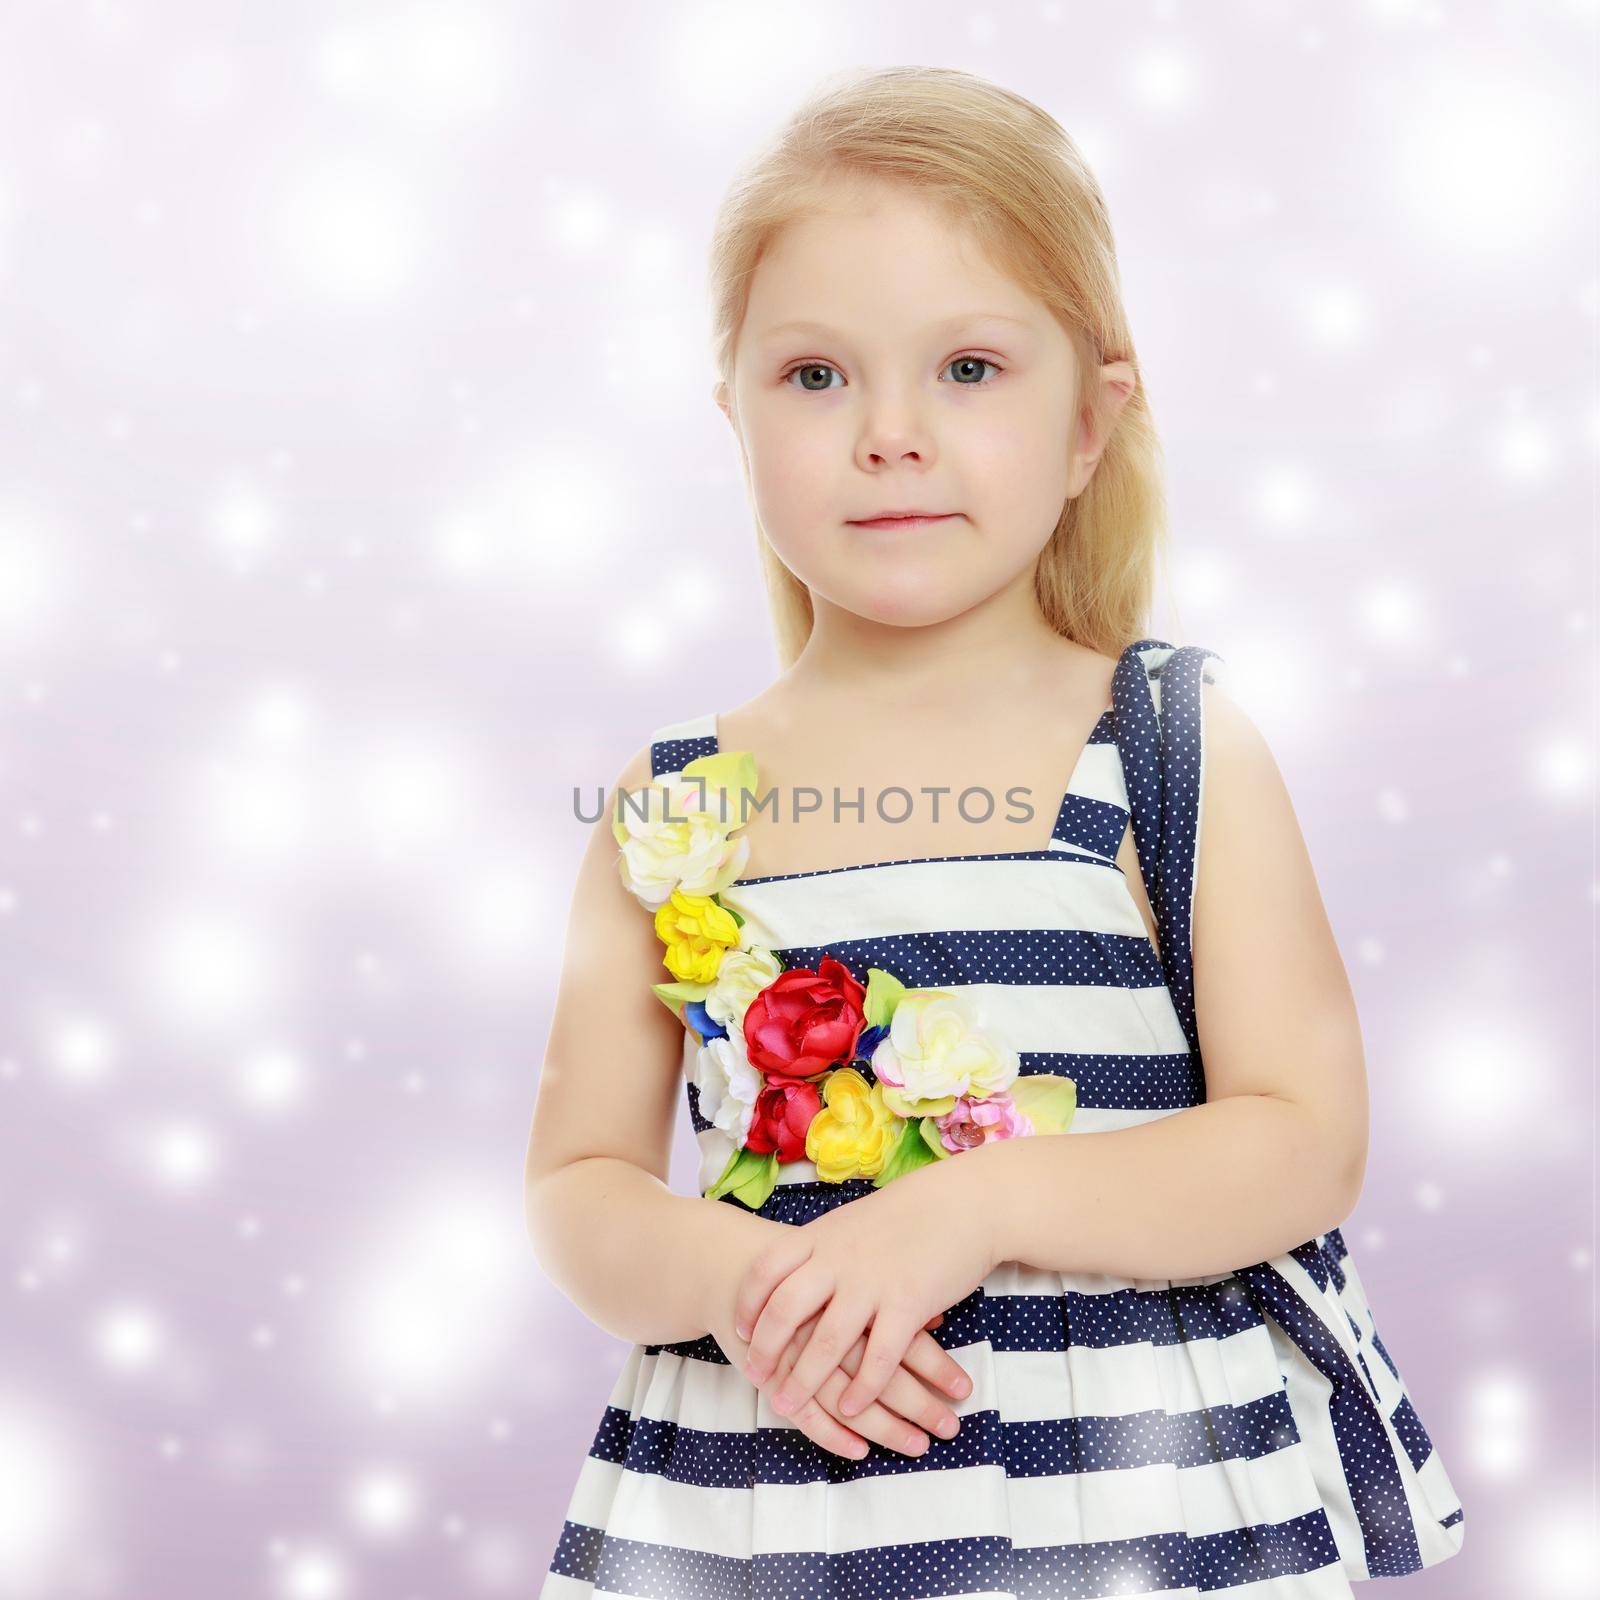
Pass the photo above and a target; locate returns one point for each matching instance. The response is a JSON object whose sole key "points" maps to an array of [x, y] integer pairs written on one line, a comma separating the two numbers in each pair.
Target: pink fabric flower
{"points": [[973, 1122]]}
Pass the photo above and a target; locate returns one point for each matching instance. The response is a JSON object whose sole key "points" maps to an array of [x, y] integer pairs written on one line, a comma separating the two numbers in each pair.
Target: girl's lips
{"points": [[904, 522]]}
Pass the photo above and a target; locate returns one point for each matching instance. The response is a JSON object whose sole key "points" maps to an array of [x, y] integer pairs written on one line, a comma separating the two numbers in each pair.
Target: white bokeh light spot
{"points": [[1564, 768], [1523, 452], [80, 1050], [34, 589], [255, 809], [383, 1501], [407, 790], [352, 229], [494, 917], [272, 1079], [1500, 1425], [1163, 80], [1283, 498], [1392, 612], [753, 54], [426, 1314], [201, 968], [181, 1154], [579, 222], [1485, 162], [422, 59], [43, 1498], [128, 1338], [243, 524], [312, 1573], [1335, 316], [1554, 1553], [279, 717], [1462, 1064], [546, 517]]}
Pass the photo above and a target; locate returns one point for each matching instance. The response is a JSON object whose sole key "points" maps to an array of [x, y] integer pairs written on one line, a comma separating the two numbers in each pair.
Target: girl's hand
{"points": [[909, 1410], [886, 1260], [910, 1400]]}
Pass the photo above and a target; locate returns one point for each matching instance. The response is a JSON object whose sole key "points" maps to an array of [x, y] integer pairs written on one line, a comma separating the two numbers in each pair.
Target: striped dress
{"points": [[1243, 1434]]}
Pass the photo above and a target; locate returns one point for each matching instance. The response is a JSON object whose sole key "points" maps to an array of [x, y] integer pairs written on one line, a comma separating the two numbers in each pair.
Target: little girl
{"points": [[913, 1336]]}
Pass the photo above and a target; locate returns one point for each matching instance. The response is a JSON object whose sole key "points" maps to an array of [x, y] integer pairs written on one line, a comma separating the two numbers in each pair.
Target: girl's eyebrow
{"points": [[943, 325]]}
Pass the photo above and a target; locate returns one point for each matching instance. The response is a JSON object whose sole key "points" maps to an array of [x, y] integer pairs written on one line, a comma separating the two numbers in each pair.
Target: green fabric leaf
{"points": [[883, 995], [733, 770], [1048, 1099], [749, 1177], [911, 1152]]}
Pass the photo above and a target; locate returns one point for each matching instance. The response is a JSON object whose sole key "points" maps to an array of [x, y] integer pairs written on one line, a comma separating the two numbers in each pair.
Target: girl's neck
{"points": [[1002, 644]]}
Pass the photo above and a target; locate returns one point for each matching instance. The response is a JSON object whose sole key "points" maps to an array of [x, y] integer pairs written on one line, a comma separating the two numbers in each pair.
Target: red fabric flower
{"points": [[804, 1022], [783, 1113]]}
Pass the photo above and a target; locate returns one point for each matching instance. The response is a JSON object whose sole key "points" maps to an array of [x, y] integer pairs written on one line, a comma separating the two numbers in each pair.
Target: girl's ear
{"points": [[719, 395], [1117, 381]]}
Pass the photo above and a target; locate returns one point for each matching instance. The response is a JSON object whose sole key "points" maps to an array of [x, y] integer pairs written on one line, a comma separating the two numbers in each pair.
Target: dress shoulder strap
{"points": [[1160, 731], [672, 747]]}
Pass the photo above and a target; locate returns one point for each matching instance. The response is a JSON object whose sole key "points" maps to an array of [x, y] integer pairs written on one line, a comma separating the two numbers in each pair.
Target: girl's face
{"points": [[885, 365]]}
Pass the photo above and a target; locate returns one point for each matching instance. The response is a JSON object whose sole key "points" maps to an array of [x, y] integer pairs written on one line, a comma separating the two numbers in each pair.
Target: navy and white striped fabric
{"points": [[1241, 1434]]}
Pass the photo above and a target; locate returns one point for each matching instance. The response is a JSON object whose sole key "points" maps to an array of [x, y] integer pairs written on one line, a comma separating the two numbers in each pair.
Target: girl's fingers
{"points": [[909, 1394], [911, 1400], [891, 1337], [796, 1298], [838, 1328], [818, 1424], [788, 1249], [877, 1423], [928, 1359], [903, 1417]]}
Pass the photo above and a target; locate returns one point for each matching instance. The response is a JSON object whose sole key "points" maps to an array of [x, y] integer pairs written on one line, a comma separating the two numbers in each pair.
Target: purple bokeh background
{"points": [[361, 494]]}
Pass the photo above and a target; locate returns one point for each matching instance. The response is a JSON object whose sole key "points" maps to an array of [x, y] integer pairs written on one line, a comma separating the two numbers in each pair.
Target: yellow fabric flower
{"points": [[695, 930], [853, 1132]]}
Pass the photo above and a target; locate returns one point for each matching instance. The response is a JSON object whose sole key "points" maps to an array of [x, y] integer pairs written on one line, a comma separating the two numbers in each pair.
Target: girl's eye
{"points": [[973, 361], [820, 370], [810, 370]]}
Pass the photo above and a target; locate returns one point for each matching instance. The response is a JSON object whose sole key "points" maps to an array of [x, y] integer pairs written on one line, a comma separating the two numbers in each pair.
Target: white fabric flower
{"points": [[744, 972], [675, 835], [727, 1085], [716, 1150], [936, 1050]]}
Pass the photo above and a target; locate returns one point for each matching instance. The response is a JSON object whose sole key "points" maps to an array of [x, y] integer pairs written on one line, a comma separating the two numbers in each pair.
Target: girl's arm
{"points": [[643, 1262], [1277, 1153]]}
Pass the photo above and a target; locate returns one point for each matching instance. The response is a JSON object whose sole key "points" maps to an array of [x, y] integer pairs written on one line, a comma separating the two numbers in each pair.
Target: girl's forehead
{"points": [[817, 269]]}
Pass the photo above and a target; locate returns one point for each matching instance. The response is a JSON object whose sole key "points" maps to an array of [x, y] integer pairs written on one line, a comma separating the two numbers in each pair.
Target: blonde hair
{"points": [[1009, 173]]}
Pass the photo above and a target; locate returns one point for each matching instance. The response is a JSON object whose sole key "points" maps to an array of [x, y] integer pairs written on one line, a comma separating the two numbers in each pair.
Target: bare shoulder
{"points": [[1247, 809]]}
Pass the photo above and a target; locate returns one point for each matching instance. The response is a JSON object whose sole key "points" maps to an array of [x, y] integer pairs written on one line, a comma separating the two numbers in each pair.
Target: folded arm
{"points": [[1276, 1154]]}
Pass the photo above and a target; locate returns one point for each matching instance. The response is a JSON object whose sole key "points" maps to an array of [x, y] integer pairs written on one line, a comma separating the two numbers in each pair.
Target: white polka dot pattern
{"points": [[1223, 1435]]}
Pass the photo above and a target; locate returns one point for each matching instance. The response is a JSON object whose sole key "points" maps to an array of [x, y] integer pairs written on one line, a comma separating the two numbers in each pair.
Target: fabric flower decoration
{"points": [[973, 1122], [727, 1086], [774, 1046], [696, 931], [804, 1022], [675, 834], [744, 972], [854, 1133], [936, 1052], [784, 1111]]}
